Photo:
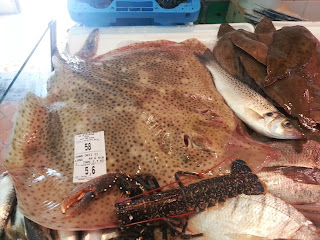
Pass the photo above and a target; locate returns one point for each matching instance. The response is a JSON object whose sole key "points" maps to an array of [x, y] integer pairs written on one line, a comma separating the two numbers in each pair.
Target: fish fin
{"points": [[253, 114], [302, 174], [225, 28], [90, 46], [206, 57], [311, 211]]}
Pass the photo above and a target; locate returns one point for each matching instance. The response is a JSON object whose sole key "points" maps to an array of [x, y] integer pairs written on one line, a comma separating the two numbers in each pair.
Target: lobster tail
{"points": [[239, 166], [255, 187]]}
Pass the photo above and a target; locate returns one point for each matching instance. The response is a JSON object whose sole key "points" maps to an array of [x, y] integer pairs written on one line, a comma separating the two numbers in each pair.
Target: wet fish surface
{"points": [[160, 113], [7, 200], [252, 217], [257, 112]]}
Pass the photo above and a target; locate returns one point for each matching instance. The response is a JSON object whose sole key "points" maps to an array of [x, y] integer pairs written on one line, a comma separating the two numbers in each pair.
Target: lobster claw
{"points": [[83, 194]]}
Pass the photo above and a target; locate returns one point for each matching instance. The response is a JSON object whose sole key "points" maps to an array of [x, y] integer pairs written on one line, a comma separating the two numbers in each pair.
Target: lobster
{"points": [[161, 206]]}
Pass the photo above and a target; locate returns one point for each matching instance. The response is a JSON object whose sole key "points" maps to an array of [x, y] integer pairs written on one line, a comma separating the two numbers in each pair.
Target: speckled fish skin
{"points": [[252, 217], [252, 108], [7, 200], [159, 111]]}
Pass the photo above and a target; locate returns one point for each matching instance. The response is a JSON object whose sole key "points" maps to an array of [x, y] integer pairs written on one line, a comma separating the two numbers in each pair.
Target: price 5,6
{"points": [[93, 170], [87, 146]]}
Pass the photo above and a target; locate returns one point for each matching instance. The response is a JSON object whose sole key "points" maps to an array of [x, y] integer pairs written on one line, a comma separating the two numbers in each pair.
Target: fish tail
{"points": [[90, 46], [86, 53], [207, 58], [310, 211], [240, 167]]}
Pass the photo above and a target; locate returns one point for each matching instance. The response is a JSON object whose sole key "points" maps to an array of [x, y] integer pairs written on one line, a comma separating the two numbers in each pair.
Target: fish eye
{"points": [[269, 114], [286, 124]]}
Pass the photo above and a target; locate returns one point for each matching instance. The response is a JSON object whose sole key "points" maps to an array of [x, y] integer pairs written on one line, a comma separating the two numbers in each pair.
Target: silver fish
{"points": [[36, 232], [253, 109], [15, 229], [7, 200], [252, 217]]}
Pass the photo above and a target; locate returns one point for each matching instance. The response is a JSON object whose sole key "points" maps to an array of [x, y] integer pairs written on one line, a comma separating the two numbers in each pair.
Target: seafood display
{"points": [[284, 64], [153, 123], [164, 109]]}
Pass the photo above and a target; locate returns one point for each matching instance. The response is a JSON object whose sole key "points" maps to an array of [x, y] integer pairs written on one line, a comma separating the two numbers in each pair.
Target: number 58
{"points": [[87, 146]]}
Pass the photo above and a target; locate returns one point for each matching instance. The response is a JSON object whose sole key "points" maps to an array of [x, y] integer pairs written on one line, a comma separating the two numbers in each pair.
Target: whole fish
{"points": [[7, 200], [252, 217], [253, 109]]}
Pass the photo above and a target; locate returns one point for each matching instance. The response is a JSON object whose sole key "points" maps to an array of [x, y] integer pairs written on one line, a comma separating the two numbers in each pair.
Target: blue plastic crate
{"points": [[133, 13]]}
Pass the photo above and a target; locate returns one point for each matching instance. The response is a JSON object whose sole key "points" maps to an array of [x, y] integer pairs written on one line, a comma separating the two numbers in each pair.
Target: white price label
{"points": [[89, 156]]}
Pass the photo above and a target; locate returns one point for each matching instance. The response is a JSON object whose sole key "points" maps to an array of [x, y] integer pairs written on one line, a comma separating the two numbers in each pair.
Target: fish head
{"points": [[280, 127]]}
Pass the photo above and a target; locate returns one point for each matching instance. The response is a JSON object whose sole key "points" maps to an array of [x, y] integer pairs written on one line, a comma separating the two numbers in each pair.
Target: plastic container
{"points": [[133, 13], [115, 37]]}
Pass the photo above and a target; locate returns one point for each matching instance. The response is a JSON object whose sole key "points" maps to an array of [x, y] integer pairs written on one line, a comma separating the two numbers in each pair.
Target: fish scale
{"points": [[252, 217]]}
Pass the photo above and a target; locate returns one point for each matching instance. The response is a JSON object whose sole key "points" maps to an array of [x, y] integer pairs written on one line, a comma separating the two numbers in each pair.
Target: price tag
{"points": [[89, 156]]}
